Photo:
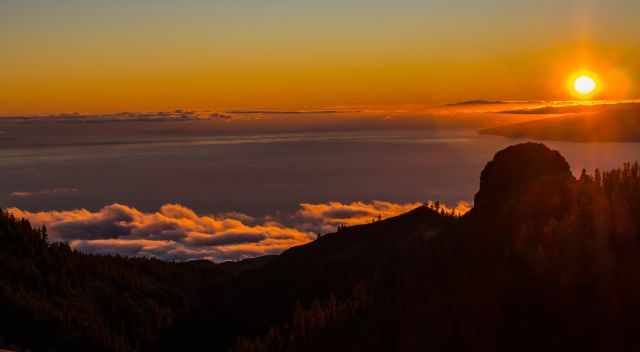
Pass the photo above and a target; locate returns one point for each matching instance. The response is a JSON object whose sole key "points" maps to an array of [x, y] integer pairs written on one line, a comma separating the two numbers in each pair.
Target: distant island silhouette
{"points": [[477, 102], [579, 123], [543, 262]]}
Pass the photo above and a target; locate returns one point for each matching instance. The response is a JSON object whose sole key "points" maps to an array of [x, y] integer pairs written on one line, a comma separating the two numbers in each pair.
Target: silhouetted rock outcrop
{"points": [[526, 181]]}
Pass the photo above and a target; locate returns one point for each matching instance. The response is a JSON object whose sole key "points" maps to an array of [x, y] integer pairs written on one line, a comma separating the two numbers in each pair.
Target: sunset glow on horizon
{"points": [[112, 56]]}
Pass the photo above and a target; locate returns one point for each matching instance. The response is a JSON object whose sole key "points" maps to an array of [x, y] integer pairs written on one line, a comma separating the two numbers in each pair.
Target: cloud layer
{"points": [[177, 233], [172, 233], [326, 217]]}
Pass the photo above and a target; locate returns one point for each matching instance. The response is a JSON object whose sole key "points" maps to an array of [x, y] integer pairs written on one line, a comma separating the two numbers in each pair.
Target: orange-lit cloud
{"points": [[326, 217], [175, 232], [172, 233]]}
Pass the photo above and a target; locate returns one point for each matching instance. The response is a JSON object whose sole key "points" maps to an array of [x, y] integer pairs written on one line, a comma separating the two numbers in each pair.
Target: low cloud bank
{"points": [[174, 232], [326, 217], [177, 233]]}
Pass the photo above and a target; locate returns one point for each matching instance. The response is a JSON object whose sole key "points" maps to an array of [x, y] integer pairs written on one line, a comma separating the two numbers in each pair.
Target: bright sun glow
{"points": [[584, 85]]}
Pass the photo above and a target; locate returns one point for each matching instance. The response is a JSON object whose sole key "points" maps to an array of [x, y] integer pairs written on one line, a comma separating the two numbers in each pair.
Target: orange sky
{"points": [[99, 56]]}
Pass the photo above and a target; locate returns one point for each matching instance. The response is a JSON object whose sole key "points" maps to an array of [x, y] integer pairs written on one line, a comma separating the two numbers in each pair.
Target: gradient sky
{"points": [[147, 55]]}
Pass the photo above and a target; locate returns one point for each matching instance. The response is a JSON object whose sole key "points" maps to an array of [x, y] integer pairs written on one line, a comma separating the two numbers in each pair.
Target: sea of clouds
{"points": [[177, 233]]}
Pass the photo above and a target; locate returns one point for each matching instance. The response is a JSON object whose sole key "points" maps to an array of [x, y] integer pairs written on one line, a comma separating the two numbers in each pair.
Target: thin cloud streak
{"points": [[45, 192]]}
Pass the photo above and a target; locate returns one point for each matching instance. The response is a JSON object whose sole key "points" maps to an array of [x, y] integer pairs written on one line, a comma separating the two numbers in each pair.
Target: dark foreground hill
{"points": [[599, 123], [543, 262]]}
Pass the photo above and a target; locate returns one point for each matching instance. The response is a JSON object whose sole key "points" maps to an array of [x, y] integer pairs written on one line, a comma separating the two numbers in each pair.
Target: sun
{"points": [[585, 85]]}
